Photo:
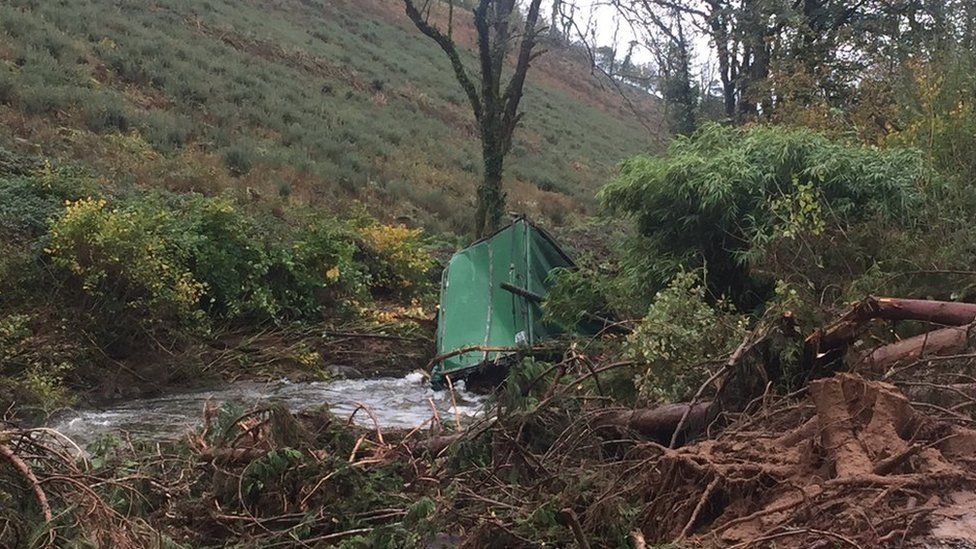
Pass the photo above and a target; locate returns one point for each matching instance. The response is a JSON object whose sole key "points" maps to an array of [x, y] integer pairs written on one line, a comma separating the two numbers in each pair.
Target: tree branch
{"points": [[446, 44], [25, 471], [513, 93], [484, 55]]}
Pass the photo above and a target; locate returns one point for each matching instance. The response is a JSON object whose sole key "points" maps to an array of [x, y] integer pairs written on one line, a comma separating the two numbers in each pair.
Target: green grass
{"points": [[360, 105]]}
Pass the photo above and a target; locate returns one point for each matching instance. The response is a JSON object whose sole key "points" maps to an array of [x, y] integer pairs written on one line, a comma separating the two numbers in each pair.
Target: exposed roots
{"points": [[866, 467], [856, 465]]}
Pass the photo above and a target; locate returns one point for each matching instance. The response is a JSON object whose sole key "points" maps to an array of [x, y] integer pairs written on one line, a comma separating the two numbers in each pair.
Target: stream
{"points": [[395, 402]]}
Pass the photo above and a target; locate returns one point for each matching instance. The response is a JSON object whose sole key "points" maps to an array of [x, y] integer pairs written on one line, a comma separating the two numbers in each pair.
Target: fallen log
{"points": [[830, 341], [945, 341], [951, 313], [658, 424]]}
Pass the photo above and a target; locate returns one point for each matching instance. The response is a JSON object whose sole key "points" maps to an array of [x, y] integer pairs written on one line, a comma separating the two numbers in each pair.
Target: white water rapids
{"points": [[395, 402]]}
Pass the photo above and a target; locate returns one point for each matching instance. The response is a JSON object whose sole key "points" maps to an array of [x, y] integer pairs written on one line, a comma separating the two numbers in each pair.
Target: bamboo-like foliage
{"points": [[720, 198]]}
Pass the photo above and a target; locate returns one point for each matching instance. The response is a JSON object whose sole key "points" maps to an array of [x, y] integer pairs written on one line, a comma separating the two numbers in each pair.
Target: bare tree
{"points": [[496, 108], [760, 46]]}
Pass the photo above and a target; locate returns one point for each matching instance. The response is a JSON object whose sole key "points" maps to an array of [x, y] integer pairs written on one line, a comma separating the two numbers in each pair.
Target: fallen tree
{"points": [[942, 342], [657, 424], [856, 461], [856, 464], [830, 342]]}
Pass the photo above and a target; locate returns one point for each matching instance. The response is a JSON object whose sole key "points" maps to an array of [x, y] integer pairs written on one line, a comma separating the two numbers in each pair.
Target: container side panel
{"points": [[506, 266], [543, 259], [464, 306]]}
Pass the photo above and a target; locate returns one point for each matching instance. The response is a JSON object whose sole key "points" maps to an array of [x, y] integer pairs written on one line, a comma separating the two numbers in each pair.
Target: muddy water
{"points": [[395, 402]]}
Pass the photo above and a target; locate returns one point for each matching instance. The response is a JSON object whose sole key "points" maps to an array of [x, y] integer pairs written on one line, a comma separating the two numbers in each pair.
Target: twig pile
{"points": [[52, 498]]}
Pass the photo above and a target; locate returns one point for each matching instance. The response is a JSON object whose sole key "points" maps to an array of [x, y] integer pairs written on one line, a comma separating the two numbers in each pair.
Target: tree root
{"points": [[28, 474], [843, 470]]}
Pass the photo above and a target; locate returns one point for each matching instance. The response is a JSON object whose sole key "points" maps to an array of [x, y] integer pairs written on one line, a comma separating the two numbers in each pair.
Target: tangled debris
{"points": [[50, 496], [847, 460], [880, 453], [854, 462], [865, 469]]}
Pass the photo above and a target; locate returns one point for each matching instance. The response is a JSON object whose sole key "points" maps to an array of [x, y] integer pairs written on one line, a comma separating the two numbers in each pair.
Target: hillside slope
{"points": [[317, 101]]}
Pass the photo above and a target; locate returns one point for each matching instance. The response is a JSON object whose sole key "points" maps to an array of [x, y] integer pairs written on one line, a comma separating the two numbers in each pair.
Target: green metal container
{"points": [[477, 311]]}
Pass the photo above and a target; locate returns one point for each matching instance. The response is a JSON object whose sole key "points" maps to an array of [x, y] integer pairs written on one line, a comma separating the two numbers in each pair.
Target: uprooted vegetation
{"points": [[848, 460]]}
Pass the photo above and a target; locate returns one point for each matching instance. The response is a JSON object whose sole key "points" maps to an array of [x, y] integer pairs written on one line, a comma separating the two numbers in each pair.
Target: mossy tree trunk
{"points": [[491, 197], [495, 107]]}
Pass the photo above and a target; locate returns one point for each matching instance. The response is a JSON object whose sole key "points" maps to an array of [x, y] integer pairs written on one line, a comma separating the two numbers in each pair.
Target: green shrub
{"points": [[8, 92], [725, 198], [13, 330], [24, 213], [27, 203], [239, 160], [104, 114], [131, 264], [19, 271], [314, 270], [167, 132], [12, 164], [43, 100], [129, 70], [396, 259], [25, 208], [224, 253], [33, 372], [180, 261], [284, 189], [574, 293], [681, 336], [938, 114], [250, 271]]}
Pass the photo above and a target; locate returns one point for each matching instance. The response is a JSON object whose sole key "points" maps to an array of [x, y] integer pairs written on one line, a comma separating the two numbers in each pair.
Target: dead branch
{"points": [[574, 524], [658, 424], [28, 474]]}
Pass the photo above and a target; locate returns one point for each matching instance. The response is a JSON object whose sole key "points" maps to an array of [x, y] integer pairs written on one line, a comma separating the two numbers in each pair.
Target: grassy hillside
{"points": [[312, 101]]}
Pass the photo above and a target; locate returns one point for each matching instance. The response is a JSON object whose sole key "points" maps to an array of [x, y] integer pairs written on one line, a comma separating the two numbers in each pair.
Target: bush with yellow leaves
{"points": [[396, 258], [165, 262], [129, 264]]}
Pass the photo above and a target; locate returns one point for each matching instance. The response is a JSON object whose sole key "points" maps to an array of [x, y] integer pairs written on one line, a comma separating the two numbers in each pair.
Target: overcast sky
{"points": [[604, 19]]}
